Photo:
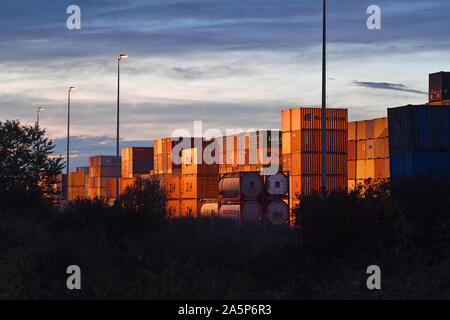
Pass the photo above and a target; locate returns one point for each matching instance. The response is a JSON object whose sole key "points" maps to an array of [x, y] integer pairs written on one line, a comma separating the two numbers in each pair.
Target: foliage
{"points": [[27, 171], [130, 251]]}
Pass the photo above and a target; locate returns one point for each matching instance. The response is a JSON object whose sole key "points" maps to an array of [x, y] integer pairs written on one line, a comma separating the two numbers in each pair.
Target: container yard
{"points": [[411, 141]]}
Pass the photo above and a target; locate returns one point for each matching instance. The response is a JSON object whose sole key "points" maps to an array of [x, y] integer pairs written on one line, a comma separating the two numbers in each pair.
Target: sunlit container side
{"points": [[173, 208], [190, 207], [352, 131], [380, 128], [194, 186], [193, 163], [361, 130], [171, 184], [137, 161]]}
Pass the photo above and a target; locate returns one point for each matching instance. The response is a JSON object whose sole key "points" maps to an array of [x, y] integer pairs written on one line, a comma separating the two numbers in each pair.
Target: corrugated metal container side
{"points": [[190, 207], [370, 127], [352, 131], [361, 130], [427, 164], [361, 150], [351, 169], [419, 128], [194, 186], [173, 207], [380, 128], [310, 118]]}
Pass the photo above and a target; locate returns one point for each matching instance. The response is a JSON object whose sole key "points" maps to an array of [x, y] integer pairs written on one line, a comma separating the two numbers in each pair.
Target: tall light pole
{"points": [[117, 140], [37, 116], [324, 98], [68, 141]]}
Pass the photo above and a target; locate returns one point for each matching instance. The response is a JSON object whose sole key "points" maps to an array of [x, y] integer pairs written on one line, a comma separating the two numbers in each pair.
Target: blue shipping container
{"points": [[419, 128], [434, 165]]}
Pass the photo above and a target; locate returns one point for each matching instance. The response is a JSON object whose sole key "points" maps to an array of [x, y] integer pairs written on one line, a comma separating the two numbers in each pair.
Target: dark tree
{"points": [[27, 170]]}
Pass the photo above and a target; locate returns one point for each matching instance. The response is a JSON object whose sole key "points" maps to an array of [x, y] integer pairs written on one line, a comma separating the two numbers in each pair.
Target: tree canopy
{"points": [[27, 168]]}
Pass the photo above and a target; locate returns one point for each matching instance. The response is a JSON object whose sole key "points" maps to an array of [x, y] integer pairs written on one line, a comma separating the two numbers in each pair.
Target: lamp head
{"points": [[123, 56]]}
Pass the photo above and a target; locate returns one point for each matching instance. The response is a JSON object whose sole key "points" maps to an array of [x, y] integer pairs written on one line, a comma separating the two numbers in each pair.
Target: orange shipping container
{"points": [[285, 120], [77, 192], [294, 186], [379, 148], [361, 130], [361, 150], [296, 141], [173, 208], [352, 169], [190, 207], [77, 179], [370, 129], [310, 118], [352, 150], [352, 131], [379, 168], [171, 184], [370, 149], [286, 143], [361, 169], [194, 186], [193, 163], [370, 169], [287, 162], [380, 128], [311, 141]]}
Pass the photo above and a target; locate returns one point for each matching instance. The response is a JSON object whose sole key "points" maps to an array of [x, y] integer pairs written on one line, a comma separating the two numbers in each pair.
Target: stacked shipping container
{"points": [[199, 181], [102, 169], [301, 149], [368, 151], [136, 161], [251, 151], [419, 141], [163, 162], [77, 185]]}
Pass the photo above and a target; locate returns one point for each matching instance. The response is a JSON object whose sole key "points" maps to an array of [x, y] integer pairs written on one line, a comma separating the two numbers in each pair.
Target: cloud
{"points": [[386, 86]]}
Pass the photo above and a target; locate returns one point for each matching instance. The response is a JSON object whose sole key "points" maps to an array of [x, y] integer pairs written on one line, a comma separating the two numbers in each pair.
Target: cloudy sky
{"points": [[228, 63]]}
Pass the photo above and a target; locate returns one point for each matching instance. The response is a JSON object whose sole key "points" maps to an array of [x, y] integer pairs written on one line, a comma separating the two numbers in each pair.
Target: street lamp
{"points": [[68, 141], [117, 141], [324, 102], [38, 111]]}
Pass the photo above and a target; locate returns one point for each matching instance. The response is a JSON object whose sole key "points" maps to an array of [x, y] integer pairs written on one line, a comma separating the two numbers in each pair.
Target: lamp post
{"points": [[121, 56], [37, 117], [68, 141], [324, 102]]}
